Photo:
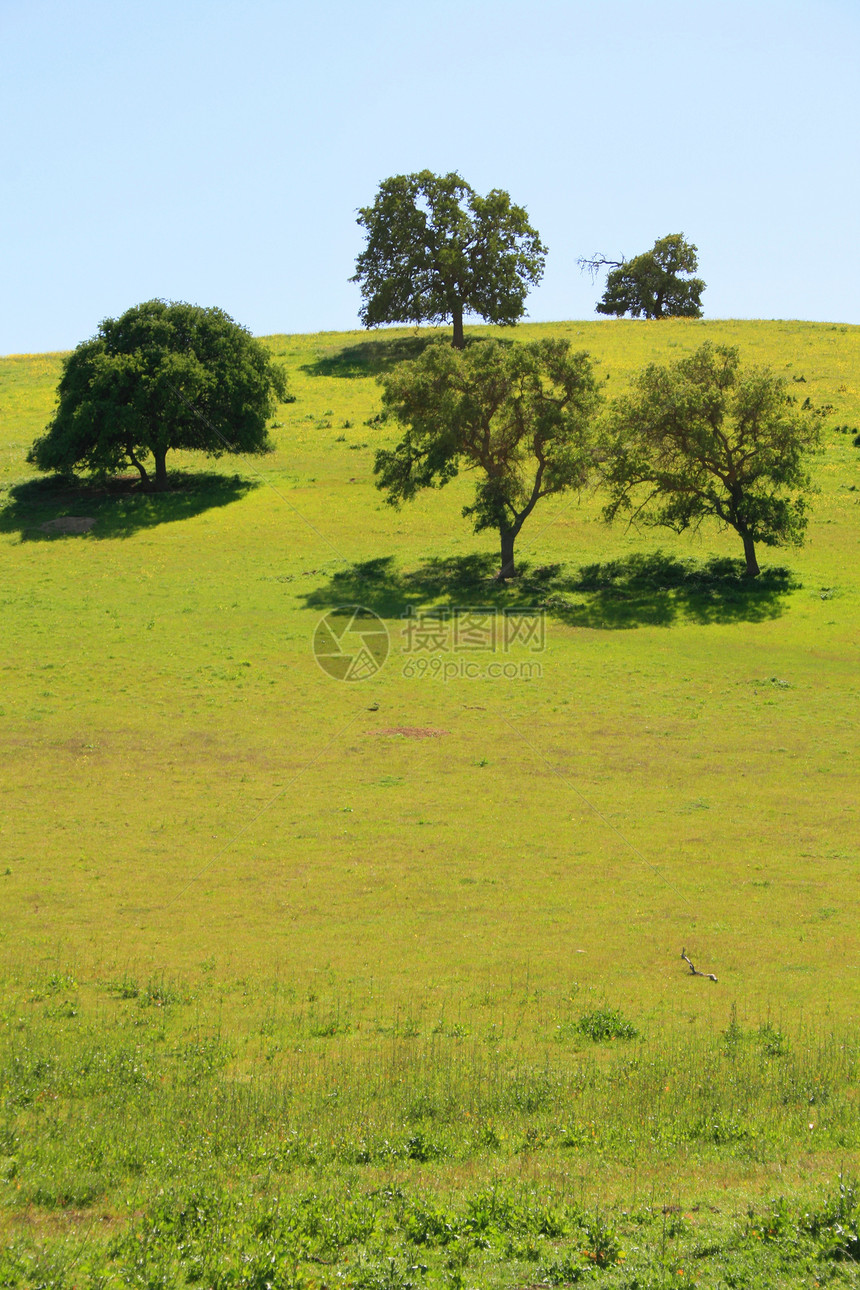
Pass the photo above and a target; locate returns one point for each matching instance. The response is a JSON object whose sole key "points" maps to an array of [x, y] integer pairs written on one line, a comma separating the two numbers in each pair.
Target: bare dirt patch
{"points": [[68, 524]]}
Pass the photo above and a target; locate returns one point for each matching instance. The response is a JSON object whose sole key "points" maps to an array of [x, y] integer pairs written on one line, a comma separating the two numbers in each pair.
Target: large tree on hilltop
{"points": [[436, 251], [162, 376]]}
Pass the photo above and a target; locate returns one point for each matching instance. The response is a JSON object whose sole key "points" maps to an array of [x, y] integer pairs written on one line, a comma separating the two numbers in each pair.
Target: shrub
{"points": [[605, 1023]]}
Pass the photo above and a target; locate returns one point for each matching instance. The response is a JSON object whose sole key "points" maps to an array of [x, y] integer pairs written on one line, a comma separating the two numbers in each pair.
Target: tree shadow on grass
{"points": [[369, 357], [648, 589], [40, 510]]}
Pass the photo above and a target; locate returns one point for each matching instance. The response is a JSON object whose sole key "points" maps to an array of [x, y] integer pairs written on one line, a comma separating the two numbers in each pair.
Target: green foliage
{"points": [[772, 1041], [436, 250], [520, 416], [605, 1023], [720, 1129], [162, 376], [651, 285], [604, 1247], [704, 438], [836, 1227], [157, 993]]}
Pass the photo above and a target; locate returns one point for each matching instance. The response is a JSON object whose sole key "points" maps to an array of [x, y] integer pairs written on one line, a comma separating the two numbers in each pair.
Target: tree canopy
{"points": [[652, 285], [705, 438], [520, 416], [162, 376], [436, 250]]}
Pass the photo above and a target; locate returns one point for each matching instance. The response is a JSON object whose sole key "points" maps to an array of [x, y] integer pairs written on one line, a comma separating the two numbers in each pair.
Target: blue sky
{"points": [[217, 152]]}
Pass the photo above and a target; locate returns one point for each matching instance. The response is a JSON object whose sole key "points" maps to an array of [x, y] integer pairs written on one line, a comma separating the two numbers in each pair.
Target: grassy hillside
{"points": [[413, 874]]}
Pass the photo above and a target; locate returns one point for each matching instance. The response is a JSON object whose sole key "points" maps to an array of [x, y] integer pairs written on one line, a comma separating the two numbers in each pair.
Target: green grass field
{"points": [[295, 969]]}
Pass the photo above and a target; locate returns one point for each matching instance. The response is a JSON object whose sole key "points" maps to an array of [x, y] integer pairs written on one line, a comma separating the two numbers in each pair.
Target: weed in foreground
{"points": [[353, 1157]]}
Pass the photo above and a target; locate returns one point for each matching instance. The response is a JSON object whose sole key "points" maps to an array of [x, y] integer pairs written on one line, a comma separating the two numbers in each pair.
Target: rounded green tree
{"points": [[654, 284], [705, 438], [162, 376], [520, 417]]}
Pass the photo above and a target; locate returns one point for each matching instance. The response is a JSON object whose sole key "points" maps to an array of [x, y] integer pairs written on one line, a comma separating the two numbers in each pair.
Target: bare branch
{"points": [[710, 976], [594, 263]]}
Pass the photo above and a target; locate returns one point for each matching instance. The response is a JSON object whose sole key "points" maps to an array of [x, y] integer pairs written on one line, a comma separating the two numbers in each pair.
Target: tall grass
{"points": [[386, 1149]]}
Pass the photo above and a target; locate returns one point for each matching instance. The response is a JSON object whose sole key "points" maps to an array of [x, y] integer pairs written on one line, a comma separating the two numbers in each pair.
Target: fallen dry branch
{"points": [[695, 971]]}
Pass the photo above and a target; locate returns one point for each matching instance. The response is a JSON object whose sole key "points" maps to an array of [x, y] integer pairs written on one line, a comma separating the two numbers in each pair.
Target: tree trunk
{"points": [[508, 569], [139, 466], [459, 341], [160, 455], [749, 551]]}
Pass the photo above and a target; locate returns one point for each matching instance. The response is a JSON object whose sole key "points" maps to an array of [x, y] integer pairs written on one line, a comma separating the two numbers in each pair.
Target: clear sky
{"points": [[217, 151]]}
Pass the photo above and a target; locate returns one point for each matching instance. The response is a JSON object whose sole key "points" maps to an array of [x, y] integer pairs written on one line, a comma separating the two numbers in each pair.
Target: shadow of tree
{"points": [[644, 589], [120, 507], [369, 357], [372, 357]]}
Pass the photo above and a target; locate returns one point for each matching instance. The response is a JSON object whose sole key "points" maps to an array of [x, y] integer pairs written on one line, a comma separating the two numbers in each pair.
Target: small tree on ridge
{"points": [[651, 284]]}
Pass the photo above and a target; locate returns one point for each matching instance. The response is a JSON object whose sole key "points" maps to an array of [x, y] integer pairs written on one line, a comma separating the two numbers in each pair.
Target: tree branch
{"points": [[710, 976], [594, 263]]}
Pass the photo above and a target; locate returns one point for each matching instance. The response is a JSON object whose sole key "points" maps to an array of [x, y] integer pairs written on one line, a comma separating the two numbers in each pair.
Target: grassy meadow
{"points": [[309, 983]]}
